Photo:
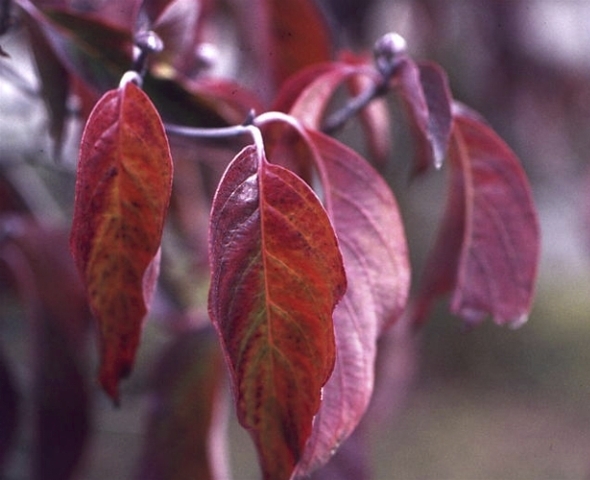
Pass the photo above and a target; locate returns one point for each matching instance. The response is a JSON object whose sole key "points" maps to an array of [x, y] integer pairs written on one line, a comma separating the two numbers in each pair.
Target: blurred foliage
{"points": [[491, 403]]}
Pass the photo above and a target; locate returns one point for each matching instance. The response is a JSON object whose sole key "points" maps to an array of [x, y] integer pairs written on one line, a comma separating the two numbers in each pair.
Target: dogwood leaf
{"points": [[277, 275], [123, 188]]}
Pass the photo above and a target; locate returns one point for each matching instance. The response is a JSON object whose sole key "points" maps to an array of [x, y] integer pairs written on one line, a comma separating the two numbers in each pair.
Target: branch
{"points": [[212, 133], [338, 119], [389, 53]]}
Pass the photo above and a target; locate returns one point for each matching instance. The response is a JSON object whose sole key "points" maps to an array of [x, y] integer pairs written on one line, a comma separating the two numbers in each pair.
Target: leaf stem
{"points": [[247, 128], [389, 54], [338, 119], [207, 133]]}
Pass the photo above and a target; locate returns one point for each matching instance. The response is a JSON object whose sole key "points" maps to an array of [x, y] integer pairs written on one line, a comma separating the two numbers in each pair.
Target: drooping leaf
{"points": [[97, 52], [370, 232], [276, 276], [426, 96], [186, 412], [284, 146], [122, 192], [437, 93], [396, 370], [487, 250]]}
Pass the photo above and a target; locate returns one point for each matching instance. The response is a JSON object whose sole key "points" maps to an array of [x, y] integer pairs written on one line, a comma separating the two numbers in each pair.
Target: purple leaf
{"points": [[371, 237]]}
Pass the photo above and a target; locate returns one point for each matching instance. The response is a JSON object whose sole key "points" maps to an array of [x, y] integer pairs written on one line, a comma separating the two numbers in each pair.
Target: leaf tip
{"points": [[518, 322], [111, 373]]}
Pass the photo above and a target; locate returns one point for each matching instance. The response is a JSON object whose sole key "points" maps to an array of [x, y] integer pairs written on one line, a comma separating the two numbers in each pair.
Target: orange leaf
{"points": [[122, 193], [277, 275]]}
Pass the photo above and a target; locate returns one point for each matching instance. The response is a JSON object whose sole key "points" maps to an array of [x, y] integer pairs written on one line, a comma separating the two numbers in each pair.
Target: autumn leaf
{"points": [[425, 93], [311, 103], [299, 36], [122, 192], [283, 36], [296, 84], [308, 94], [277, 275], [488, 245], [437, 93], [370, 232]]}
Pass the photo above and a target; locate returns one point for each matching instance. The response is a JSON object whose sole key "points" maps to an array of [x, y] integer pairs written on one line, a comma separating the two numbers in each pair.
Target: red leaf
{"points": [[313, 100], [293, 87], [426, 95], [299, 36], [284, 37], [187, 408], [276, 276], [122, 193], [307, 95], [370, 232], [488, 246]]}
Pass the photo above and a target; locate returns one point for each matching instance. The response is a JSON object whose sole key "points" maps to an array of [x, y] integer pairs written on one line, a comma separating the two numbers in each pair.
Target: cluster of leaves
{"points": [[307, 257]]}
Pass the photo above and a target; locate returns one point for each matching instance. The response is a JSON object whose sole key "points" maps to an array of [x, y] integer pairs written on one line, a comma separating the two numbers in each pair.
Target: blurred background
{"points": [[491, 403], [494, 403]]}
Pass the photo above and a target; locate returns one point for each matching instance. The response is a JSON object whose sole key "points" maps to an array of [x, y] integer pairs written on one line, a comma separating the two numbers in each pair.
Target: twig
{"points": [[389, 53], [338, 119]]}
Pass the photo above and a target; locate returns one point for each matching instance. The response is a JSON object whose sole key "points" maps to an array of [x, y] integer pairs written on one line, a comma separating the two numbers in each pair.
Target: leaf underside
{"points": [[488, 246], [370, 232]]}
